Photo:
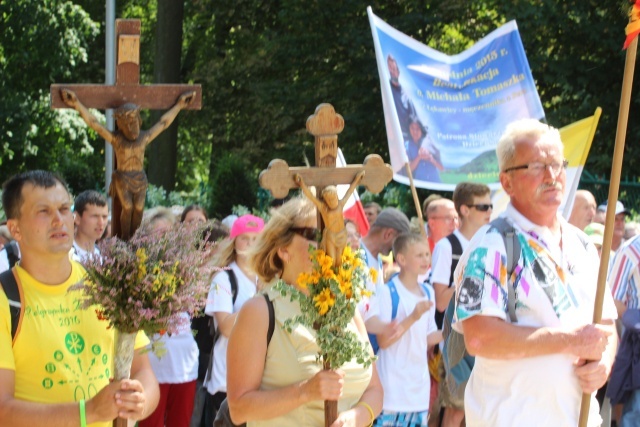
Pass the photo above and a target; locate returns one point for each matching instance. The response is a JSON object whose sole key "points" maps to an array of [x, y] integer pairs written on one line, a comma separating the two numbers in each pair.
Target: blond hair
{"points": [[522, 130], [404, 240], [226, 253], [277, 234]]}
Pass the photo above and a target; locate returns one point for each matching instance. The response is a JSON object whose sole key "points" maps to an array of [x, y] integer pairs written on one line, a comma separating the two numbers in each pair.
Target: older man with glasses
{"points": [[442, 219], [532, 370]]}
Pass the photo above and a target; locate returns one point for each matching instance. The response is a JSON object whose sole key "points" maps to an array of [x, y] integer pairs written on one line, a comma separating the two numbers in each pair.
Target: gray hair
{"points": [[521, 130]]}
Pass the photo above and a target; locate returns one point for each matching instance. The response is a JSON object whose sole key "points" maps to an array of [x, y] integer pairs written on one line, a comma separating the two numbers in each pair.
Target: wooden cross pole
{"points": [[279, 178], [127, 90]]}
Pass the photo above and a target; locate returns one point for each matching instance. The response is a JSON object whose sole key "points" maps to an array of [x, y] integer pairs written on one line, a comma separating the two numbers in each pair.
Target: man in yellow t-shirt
{"points": [[58, 370]]}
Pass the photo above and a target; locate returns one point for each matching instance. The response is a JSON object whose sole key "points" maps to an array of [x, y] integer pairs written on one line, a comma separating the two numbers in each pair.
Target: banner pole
{"points": [[614, 187], [414, 192]]}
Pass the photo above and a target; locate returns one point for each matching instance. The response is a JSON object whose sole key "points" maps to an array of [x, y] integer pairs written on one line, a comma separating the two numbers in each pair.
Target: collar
{"points": [[539, 232], [367, 252]]}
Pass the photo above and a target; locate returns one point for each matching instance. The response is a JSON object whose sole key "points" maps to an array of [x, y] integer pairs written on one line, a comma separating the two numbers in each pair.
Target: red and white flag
{"points": [[353, 209]]}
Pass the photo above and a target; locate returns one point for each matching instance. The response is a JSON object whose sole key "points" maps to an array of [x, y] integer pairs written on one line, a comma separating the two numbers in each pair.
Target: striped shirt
{"points": [[624, 275]]}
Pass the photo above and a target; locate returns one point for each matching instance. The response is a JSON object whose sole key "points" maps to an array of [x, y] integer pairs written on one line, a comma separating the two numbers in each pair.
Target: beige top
{"points": [[291, 358]]}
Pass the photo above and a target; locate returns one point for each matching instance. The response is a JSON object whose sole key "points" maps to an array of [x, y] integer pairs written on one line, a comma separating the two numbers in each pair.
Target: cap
{"points": [[619, 208], [595, 231], [393, 218], [246, 224]]}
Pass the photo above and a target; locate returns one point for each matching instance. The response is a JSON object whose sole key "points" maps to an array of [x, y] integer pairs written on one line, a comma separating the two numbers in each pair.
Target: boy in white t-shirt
{"points": [[402, 317]]}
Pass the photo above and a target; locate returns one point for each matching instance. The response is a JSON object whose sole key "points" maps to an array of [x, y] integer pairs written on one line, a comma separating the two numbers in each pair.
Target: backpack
{"points": [[9, 283], [457, 362], [223, 417], [395, 300], [215, 332]]}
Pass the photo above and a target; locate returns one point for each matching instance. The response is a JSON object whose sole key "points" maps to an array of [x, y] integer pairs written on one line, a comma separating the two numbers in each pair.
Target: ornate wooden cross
{"points": [[127, 91], [279, 178], [325, 125]]}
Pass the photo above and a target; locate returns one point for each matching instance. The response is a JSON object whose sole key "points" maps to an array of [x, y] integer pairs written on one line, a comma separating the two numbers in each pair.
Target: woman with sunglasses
{"points": [[280, 383]]}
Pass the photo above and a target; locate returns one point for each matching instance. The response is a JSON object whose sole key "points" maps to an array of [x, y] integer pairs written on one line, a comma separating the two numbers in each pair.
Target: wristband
{"points": [[83, 414], [366, 405]]}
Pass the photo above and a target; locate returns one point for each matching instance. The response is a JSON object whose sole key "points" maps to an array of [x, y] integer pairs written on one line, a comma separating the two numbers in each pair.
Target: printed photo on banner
{"points": [[444, 114]]}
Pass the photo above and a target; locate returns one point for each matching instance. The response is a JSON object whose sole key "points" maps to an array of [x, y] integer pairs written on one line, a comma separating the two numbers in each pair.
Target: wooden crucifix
{"points": [[374, 174], [279, 178], [127, 96]]}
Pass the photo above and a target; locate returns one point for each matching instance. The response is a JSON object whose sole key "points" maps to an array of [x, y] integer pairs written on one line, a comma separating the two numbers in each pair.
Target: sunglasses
{"points": [[482, 207], [308, 233]]}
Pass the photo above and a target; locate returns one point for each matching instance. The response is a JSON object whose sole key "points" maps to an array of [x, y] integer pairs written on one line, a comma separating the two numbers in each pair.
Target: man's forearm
{"points": [[493, 338], [508, 341], [444, 293]]}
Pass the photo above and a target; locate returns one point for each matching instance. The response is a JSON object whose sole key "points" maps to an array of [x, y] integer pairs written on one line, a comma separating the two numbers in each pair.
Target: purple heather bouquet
{"points": [[147, 284]]}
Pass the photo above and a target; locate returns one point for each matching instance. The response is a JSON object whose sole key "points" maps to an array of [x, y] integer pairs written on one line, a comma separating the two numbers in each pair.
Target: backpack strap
{"points": [[395, 299], [13, 253], [272, 319], [12, 289], [513, 248], [426, 290], [456, 253], [233, 280]]}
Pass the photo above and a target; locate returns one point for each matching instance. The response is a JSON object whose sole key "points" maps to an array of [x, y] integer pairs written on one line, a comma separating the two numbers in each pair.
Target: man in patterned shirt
{"points": [[532, 372], [624, 279]]}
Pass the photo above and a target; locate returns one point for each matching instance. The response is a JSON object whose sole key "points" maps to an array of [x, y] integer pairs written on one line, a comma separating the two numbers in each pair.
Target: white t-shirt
{"points": [[534, 391], [402, 367], [4, 258], [4, 261], [220, 301], [79, 254], [442, 258], [373, 263], [180, 362]]}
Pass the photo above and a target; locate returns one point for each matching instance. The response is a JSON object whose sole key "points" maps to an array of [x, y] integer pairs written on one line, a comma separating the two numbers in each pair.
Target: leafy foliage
{"points": [[44, 41], [232, 185], [266, 65], [158, 196], [329, 304]]}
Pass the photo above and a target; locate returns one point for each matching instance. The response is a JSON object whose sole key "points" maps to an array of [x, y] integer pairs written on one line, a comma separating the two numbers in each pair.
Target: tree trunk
{"points": [[162, 154]]}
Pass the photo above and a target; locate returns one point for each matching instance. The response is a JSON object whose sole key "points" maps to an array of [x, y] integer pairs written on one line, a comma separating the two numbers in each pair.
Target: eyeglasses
{"points": [[482, 207], [445, 218], [308, 233], [538, 168]]}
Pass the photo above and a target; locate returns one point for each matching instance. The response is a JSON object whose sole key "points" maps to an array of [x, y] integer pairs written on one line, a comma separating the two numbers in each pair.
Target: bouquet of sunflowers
{"points": [[329, 304]]}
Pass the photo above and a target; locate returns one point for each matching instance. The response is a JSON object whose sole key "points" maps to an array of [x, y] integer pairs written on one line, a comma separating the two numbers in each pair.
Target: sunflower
{"points": [[324, 300]]}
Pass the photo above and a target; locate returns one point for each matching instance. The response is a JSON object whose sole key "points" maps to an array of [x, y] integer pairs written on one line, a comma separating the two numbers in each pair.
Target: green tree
{"points": [[231, 185], [43, 42], [265, 66]]}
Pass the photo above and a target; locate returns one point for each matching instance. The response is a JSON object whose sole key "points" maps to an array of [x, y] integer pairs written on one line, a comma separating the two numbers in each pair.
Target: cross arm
{"points": [[102, 97], [278, 177]]}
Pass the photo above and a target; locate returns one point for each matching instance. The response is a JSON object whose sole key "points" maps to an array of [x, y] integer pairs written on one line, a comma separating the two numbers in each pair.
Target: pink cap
{"points": [[246, 224]]}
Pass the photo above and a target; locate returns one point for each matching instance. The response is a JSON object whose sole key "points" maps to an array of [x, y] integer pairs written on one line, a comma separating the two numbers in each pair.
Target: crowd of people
{"points": [[524, 315]]}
